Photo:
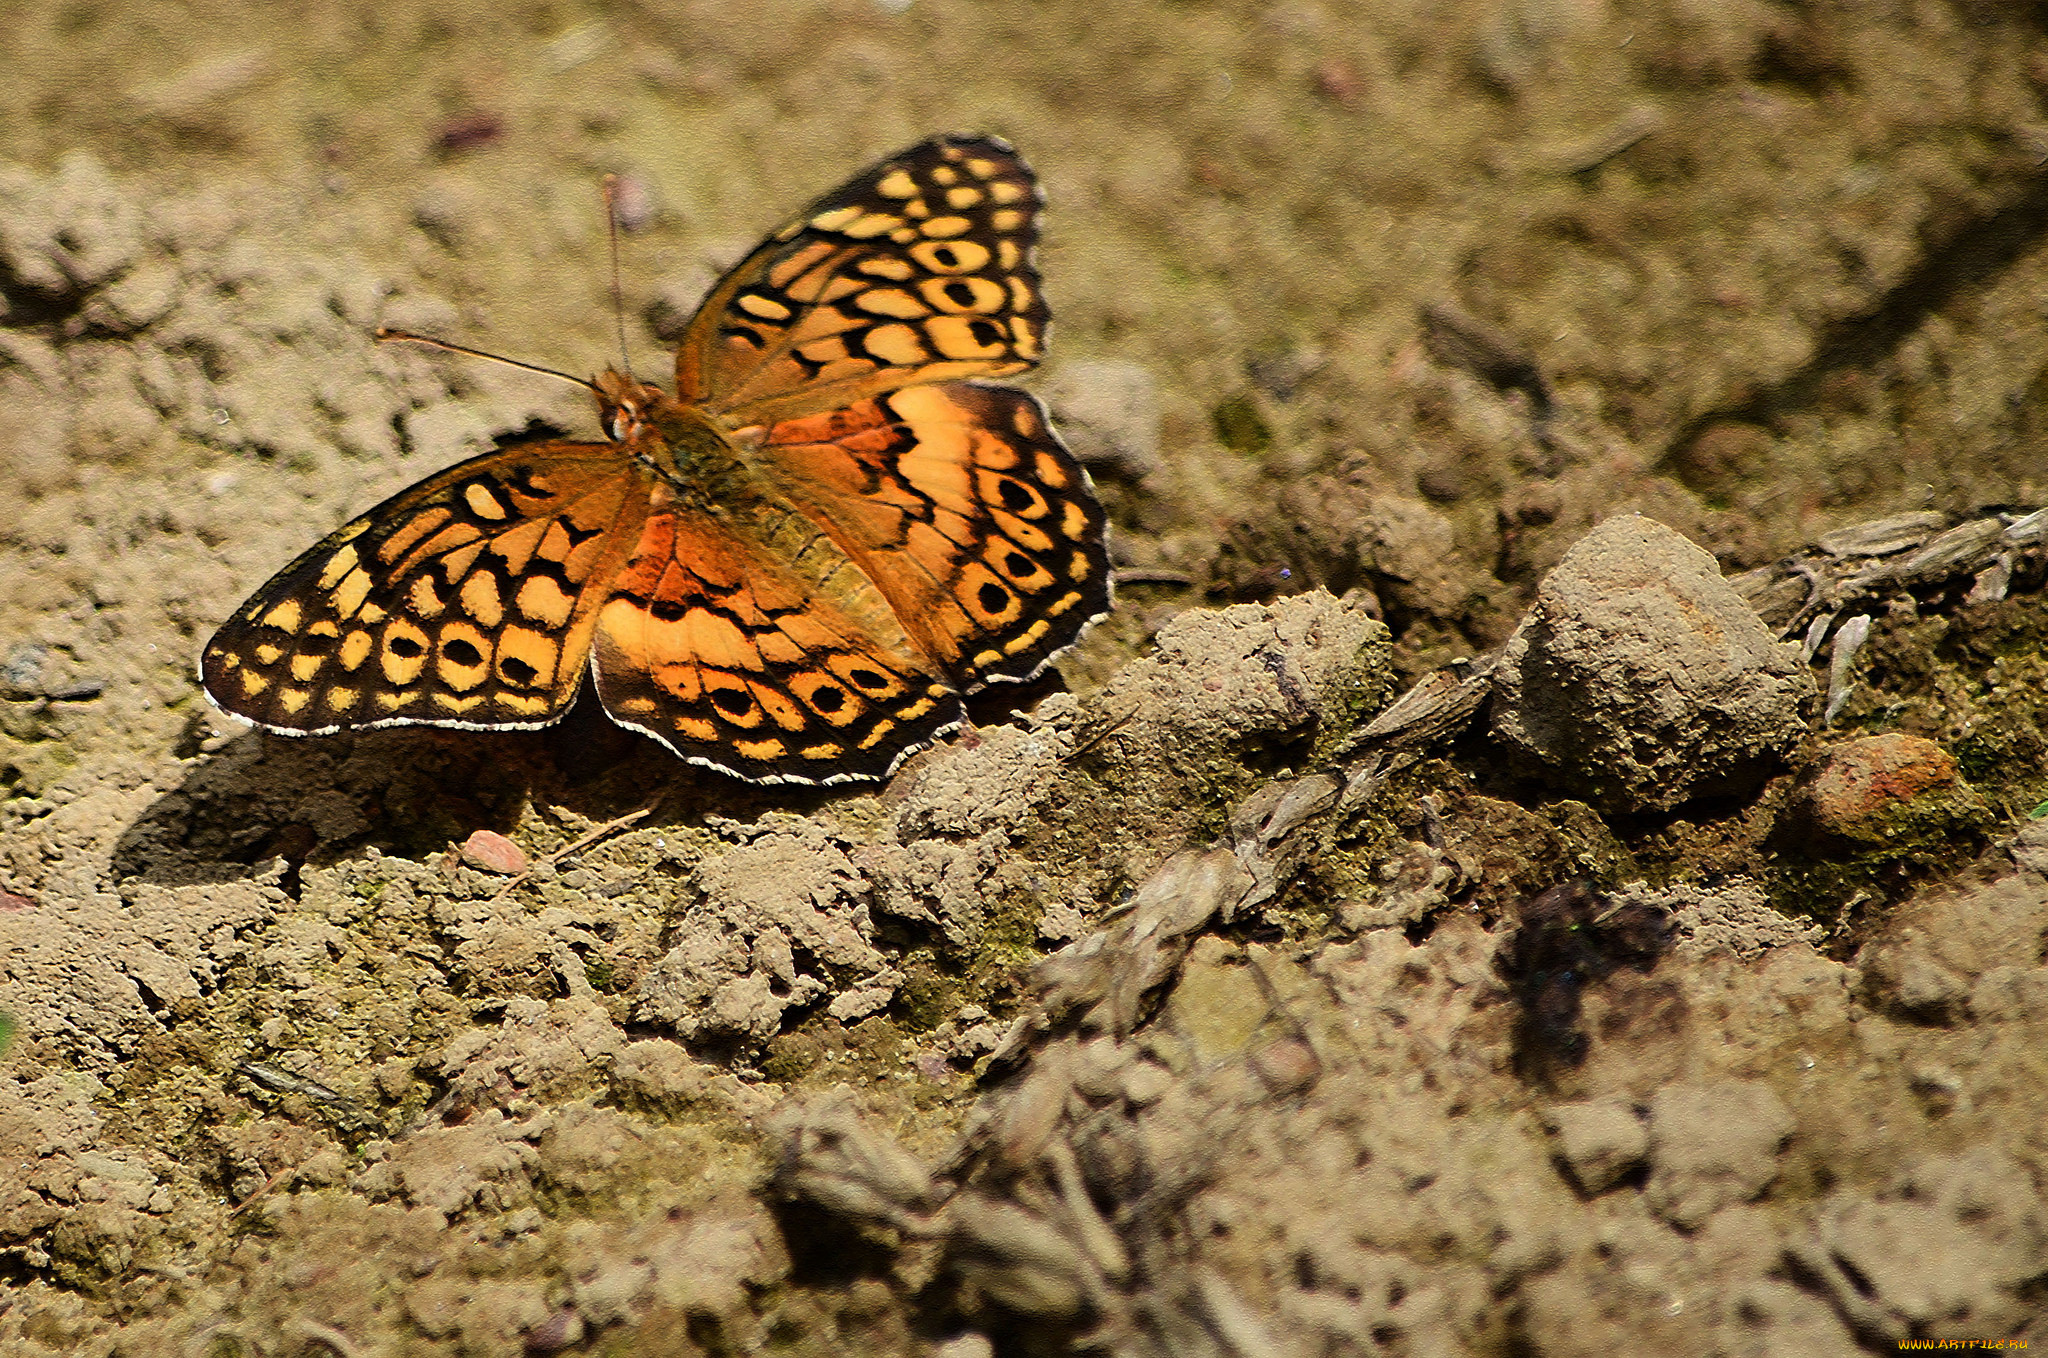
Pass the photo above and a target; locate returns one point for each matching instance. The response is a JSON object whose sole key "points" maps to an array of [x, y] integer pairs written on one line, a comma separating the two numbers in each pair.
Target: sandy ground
{"points": [[1394, 302]]}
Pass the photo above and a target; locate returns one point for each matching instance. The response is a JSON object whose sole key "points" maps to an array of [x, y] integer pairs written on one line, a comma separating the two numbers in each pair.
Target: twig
{"points": [[589, 838]]}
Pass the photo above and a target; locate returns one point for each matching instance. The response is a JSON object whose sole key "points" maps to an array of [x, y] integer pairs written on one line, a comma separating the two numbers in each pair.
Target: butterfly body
{"points": [[790, 570]]}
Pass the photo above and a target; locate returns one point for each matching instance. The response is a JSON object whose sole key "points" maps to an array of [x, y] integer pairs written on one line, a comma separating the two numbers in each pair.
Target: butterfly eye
{"points": [[611, 425]]}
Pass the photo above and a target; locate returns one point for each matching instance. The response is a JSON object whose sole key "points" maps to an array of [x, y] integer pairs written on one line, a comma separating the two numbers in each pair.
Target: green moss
{"points": [[1241, 428]]}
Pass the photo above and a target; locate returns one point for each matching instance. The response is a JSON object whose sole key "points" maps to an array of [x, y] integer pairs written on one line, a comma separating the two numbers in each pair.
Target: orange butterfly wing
{"points": [[747, 643], [466, 600], [961, 504], [917, 270]]}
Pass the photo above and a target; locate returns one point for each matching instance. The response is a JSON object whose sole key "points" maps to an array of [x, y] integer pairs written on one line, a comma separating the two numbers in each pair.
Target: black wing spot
{"points": [[994, 598], [734, 702], [524, 481], [960, 294], [946, 255], [578, 536], [869, 680], [986, 332], [407, 648], [518, 671], [461, 652], [827, 699], [1019, 564], [746, 333], [1017, 496]]}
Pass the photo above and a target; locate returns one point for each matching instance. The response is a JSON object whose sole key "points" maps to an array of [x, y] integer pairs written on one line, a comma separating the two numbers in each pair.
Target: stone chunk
{"points": [[1712, 1145], [1641, 680], [1601, 1140]]}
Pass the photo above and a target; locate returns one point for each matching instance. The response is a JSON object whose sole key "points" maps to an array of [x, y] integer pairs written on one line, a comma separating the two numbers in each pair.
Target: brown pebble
{"points": [[491, 851], [9, 902], [469, 132], [1863, 785]]}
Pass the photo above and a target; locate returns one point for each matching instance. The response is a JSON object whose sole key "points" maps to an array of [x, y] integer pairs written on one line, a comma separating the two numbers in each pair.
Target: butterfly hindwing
{"points": [[919, 269], [757, 652], [962, 505], [466, 600]]}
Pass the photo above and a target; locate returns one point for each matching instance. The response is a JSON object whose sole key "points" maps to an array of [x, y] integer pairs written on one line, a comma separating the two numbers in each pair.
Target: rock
{"points": [[1641, 680], [1712, 1145], [491, 851], [1601, 1140], [1108, 412], [1886, 791]]}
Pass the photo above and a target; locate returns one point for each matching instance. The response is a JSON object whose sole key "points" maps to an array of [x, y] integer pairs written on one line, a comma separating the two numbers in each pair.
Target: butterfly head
{"points": [[626, 407]]}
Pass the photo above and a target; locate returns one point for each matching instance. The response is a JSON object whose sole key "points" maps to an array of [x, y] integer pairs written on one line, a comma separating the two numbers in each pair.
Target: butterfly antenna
{"points": [[611, 221], [385, 335]]}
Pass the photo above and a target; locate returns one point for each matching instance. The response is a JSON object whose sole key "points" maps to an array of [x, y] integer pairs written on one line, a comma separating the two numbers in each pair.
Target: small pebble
{"points": [[491, 851]]}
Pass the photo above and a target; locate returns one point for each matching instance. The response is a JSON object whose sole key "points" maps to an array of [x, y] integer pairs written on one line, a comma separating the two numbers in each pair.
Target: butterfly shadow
{"points": [[413, 791]]}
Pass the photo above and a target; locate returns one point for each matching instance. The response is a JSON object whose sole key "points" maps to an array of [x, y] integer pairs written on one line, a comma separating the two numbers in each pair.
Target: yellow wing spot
{"points": [[1007, 254], [915, 209], [897, 345], [527, 705], [349, 594], [482, 503], [323, 628], [461, 663], [983, 169], [777, 705], [945, 227], [1065, 602], [304, 667], [526, 657], [1050, 471], [342, 699], [355, 649], [1080, 568], [392, 701], [294, 700], [481, 600], [338, 565], [897, 184], [1073, 520], [892, 302], [423, 599], [874, 737], [960, 295], [449, 703], [903, 235], [405, 653], [871, 225], [544, 602], [950, 256], [761, 750], [917, 709], [1006, 191], [698, 729], [962, 197], [285, 617], [822, 752], [767, 308], [943, 175], [1026, 338], [253, 683], [1006, 219], [1020, 293], [228, 659], [886, 266], [371, 615], [1028, 638], [637, 707], [268, 654], [836, 218], [956, 338]]}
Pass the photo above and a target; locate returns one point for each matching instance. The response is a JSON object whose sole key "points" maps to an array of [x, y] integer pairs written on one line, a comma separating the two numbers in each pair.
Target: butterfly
{"points": [[791, 570]]}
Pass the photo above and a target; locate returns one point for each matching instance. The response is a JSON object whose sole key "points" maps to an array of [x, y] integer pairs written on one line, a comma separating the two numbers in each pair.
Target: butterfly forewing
{"points": [[962, 505], [918, 270], [467, 600]]}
